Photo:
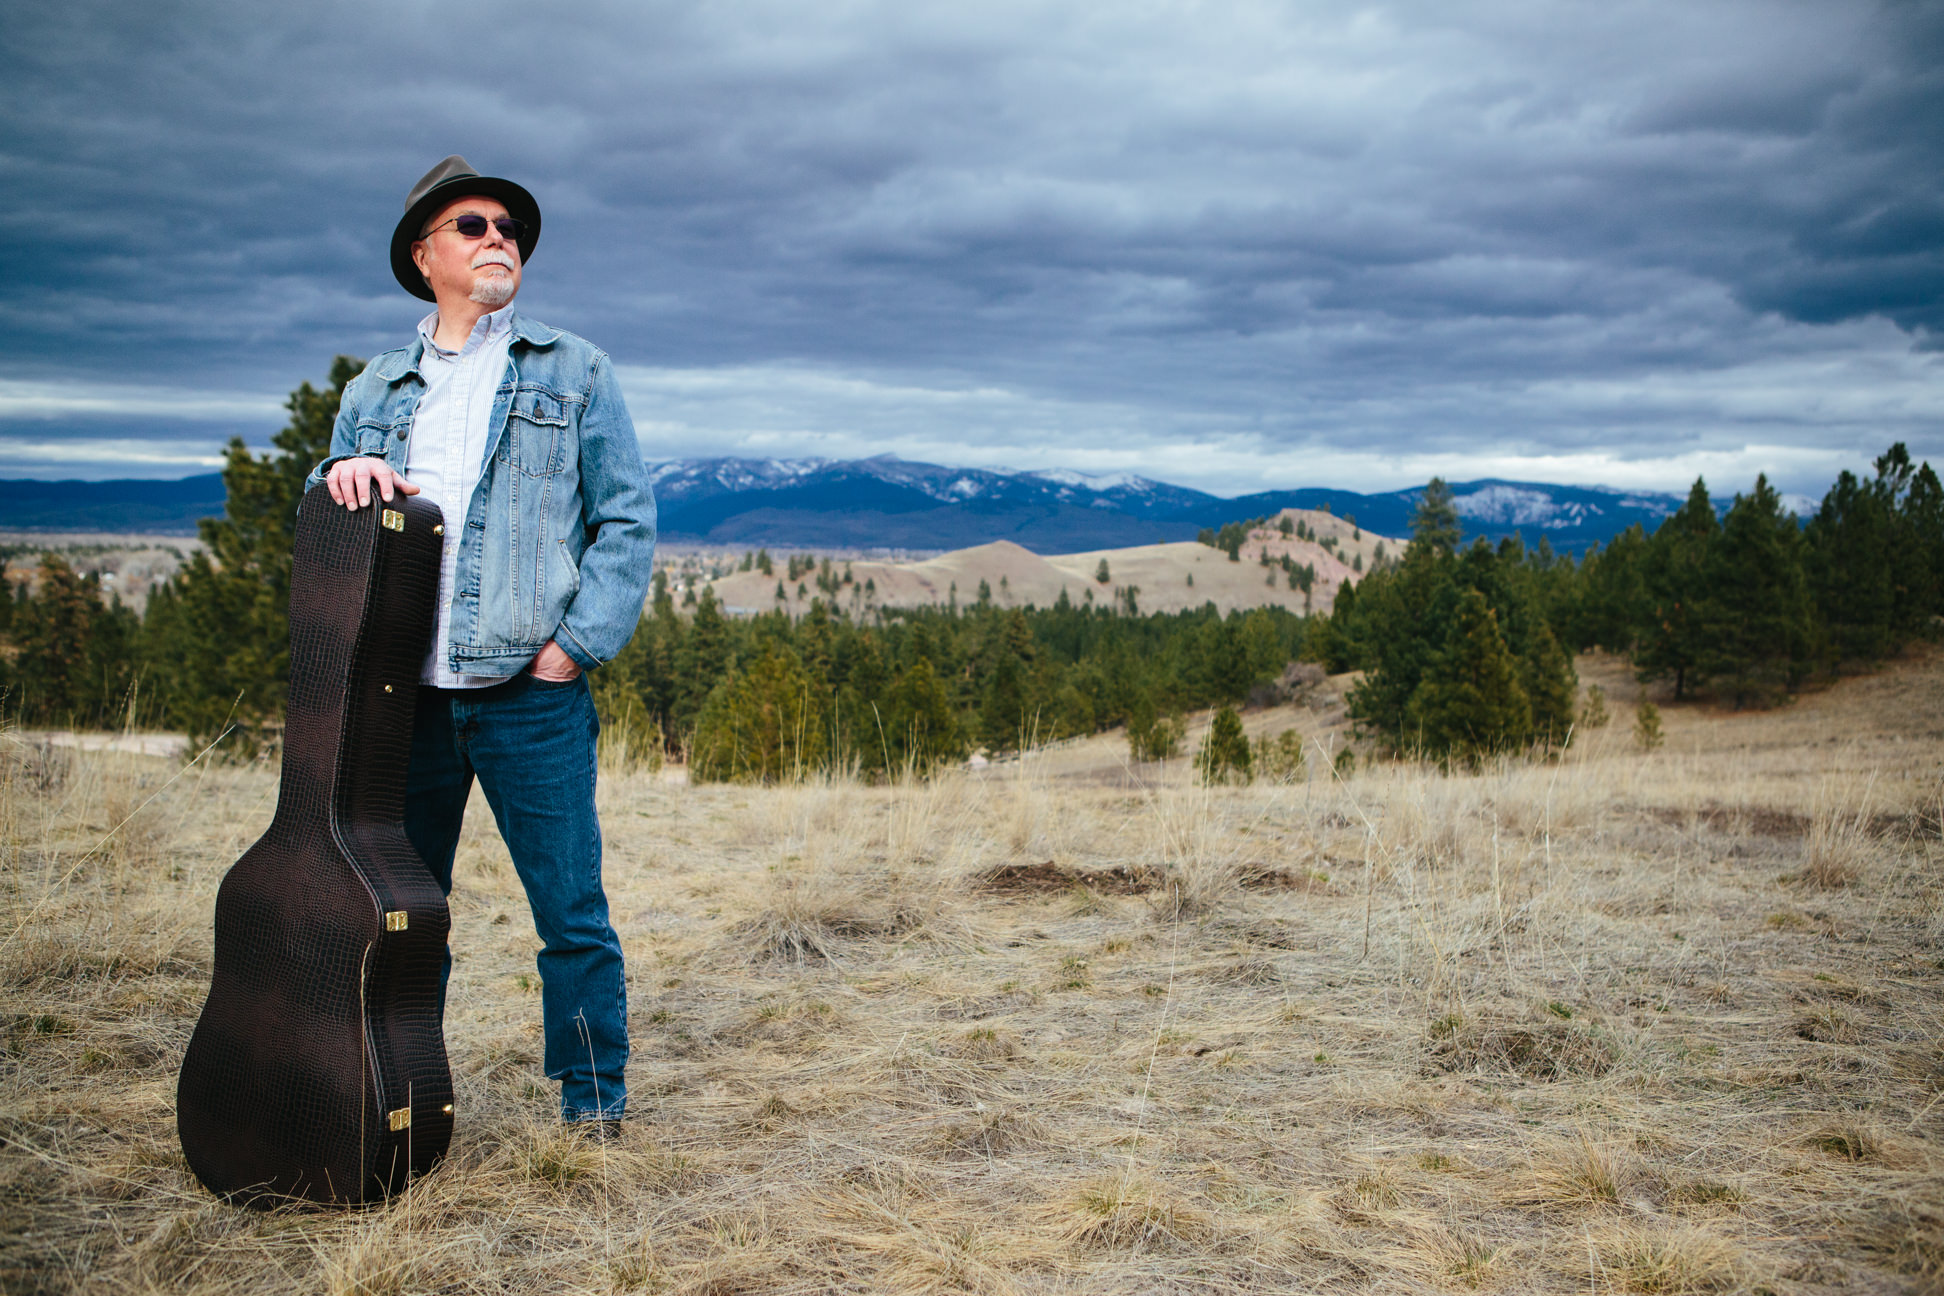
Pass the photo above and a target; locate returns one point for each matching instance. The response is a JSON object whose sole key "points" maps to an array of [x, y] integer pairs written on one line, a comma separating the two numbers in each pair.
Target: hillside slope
{"points": [[1169, 577]]}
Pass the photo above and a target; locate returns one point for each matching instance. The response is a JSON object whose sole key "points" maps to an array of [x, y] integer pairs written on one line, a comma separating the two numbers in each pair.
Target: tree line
{"points": [[758, 697], [1467, 651]]}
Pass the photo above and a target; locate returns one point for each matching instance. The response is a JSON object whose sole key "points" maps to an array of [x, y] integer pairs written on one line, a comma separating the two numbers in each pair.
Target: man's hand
{"points": [[553, 665], [351, 481]]}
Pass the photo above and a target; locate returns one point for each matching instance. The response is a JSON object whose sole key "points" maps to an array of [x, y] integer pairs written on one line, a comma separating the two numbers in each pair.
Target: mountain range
{"points": [[890, 503]]}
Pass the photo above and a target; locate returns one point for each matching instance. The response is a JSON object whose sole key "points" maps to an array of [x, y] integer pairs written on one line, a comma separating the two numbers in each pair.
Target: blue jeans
{"points": [[531, 745]]}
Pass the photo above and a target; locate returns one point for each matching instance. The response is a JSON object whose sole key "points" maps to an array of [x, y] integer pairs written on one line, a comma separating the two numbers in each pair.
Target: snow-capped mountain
{"points": [[891, 502], [888, 502]]}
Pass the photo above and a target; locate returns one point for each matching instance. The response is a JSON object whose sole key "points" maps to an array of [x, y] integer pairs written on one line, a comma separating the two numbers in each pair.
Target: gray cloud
{"points": [[1231, 244]]}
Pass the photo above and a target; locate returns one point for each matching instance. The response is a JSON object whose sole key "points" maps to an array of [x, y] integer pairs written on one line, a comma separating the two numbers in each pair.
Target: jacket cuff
{"points": [[575, 649]]}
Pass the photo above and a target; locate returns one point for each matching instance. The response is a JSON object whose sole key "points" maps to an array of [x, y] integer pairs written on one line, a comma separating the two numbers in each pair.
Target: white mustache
{"points": [[492, 257]]}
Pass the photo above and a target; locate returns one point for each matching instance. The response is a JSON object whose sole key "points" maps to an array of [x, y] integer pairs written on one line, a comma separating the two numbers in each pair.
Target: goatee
{"points": [[493, 291]]}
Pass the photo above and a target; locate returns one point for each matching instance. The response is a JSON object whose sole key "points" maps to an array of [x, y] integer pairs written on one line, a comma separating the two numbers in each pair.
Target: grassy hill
{"points": [[1168, 577]]}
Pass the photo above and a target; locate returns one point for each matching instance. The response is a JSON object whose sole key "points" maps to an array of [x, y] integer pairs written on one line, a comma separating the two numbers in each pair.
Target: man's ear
{"points": [[419, 258]]}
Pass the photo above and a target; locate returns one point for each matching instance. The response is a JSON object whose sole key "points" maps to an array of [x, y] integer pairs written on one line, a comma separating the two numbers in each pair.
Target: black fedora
{"points": [[452, 179]]}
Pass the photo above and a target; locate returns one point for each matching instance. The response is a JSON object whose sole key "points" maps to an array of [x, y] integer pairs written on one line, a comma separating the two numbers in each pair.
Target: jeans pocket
{"points": [[534, 681]]}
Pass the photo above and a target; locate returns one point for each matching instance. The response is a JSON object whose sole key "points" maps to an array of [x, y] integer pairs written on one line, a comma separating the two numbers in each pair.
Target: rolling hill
{"points": [[1170, 576]]}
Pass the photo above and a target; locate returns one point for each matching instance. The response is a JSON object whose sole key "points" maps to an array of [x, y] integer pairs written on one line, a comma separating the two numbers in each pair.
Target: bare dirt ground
{"points": [[1656, 1022]]}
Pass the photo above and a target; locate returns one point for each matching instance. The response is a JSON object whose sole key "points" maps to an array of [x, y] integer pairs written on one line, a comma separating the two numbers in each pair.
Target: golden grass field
{"points": [[1653, 1022]]}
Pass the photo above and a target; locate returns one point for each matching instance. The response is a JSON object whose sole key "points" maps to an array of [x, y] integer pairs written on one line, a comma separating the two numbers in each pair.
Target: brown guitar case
{"points": [[318, 1068]]}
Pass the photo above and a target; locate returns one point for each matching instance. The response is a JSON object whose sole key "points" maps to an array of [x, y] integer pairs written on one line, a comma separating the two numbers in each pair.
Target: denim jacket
{"points": [[560, 532]]}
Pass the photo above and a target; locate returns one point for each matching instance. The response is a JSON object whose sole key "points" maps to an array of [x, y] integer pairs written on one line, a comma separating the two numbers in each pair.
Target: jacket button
{"points": [[401, 433]]}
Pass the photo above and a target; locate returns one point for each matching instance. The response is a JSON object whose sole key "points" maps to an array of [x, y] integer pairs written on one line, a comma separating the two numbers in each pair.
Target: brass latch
{"points": [[393, 520], [400, 1119], [397, 919]]}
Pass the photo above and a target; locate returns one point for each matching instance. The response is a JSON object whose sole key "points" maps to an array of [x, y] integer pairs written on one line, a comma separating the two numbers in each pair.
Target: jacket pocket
{"points": [[536, 427], [377, 437]]}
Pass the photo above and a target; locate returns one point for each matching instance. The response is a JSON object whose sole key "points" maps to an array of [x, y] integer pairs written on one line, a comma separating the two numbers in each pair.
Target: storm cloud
{"points": [[1230, 245]]}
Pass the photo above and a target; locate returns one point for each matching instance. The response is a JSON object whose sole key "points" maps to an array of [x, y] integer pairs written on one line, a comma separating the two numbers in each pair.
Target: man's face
{"points": [[484, 270]]}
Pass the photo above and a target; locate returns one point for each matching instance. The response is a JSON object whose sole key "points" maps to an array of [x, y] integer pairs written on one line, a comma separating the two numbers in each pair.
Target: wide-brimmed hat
{"points": [[452, 179]]}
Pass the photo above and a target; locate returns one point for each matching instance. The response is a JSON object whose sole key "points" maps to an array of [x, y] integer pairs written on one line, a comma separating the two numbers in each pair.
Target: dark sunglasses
{"points": [[473, 226]]}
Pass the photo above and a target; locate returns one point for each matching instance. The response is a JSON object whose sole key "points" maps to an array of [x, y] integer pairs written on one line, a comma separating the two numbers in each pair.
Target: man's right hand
{"points": [[351, 481]]}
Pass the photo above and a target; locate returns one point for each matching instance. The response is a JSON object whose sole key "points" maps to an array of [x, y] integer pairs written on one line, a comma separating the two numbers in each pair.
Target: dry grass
{"points": [[1653, 1022]]}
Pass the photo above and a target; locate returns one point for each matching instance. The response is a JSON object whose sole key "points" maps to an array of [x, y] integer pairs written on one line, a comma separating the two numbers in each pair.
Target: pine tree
{"points": [[1152, 736], [1613, 606], [1593, 712], [1755, 619], [1674, 577], [763, 725], [1397, 626], [1435, 523], [921, 728], [1224, 755], [1470, 703], [66, 675], [702, 660], [1003, 719], [1647, 726], [1550, 683], [219, 644]]}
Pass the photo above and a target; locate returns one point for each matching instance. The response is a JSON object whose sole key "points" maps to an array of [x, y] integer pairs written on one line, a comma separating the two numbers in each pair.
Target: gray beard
{"points": [[493, 291]]}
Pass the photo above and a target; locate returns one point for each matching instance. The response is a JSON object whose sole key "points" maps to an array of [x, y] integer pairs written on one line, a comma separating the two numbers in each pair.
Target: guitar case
{"points": [[317, 1071]]}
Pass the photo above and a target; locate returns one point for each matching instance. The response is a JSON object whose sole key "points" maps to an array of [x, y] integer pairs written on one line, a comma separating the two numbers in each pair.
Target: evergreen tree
{"points": [[1400, 622], [1647, 726], [1227, 671], [1003, 705], [1613, 604], [1674, 578], [701, 661], [1850, 564], [1224, 755], [921, 727], [1755, 620], [219, 643], [75, 662], [1470, 703], [763, 725], [1550, 684], [1435, 523]]}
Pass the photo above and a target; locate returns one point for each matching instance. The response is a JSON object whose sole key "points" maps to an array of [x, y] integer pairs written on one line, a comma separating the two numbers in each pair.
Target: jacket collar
{"points": [[395, 365]]}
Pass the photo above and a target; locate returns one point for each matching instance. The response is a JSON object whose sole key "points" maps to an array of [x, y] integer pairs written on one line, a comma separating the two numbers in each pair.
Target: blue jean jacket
{"points": [[559, 536]]}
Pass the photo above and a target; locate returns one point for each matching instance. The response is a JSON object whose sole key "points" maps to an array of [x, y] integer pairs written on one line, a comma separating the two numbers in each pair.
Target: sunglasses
{"points": [[474, 226]]}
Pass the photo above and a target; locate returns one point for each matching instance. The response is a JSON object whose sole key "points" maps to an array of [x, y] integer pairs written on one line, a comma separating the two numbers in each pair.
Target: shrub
{"points": [[1647, 727], [1153, 737], [1224, 755], [1593, 711], [1280, 759]]}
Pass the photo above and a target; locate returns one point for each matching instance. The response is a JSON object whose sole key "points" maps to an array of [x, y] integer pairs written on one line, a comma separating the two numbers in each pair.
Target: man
{"points": [[518, 432]]}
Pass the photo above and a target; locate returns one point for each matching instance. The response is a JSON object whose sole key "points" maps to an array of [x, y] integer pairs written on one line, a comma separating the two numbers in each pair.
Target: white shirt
{"points": [[448, 444]]}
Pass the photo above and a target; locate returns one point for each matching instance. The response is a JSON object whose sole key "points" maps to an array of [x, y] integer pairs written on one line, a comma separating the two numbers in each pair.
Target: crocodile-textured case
{"points": [[318, 1068]]}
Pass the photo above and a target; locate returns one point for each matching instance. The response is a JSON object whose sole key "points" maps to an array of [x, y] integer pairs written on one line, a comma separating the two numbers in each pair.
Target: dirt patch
{"points": [[1048, 878], [1766, 821], [1755, 821], [1288, 880], [1538, 1051]]}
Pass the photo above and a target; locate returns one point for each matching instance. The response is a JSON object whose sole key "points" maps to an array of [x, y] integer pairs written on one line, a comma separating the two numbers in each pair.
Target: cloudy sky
{"points": [[1225, 244]]}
